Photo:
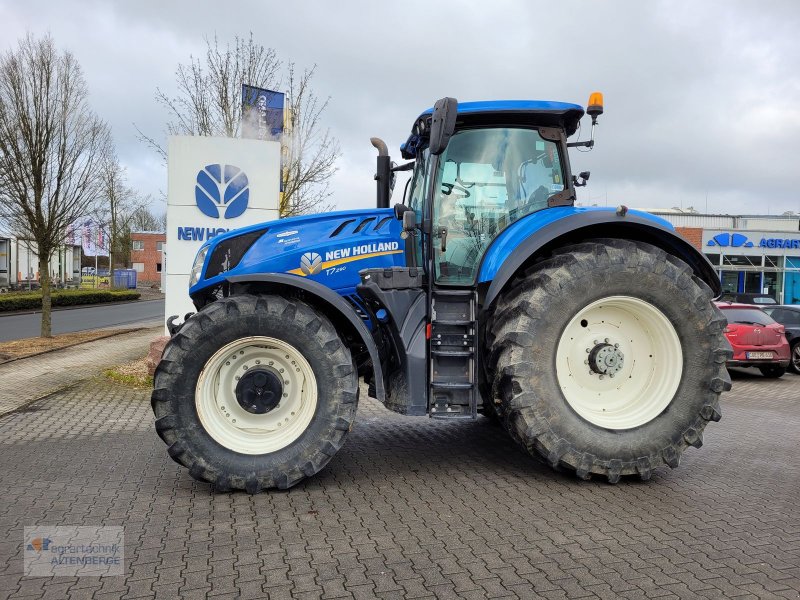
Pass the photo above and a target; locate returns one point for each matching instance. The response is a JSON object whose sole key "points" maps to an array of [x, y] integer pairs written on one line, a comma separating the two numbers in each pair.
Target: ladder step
{"points": [[445, 293], [452, 352], [450, 385], [451, 416], [449, 322]]}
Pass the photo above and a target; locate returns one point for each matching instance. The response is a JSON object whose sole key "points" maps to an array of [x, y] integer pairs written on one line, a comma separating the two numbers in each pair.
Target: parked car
{"points": [[789, 317], [757, 340], [759, 299]]}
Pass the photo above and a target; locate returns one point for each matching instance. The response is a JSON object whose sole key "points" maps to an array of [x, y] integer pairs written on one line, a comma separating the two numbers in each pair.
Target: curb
{"points": [[103, 337], [27, 403]]}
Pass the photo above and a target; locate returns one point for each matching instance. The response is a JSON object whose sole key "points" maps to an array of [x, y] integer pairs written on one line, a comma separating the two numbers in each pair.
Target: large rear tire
{"points": [[608, 359], [255, 392]]}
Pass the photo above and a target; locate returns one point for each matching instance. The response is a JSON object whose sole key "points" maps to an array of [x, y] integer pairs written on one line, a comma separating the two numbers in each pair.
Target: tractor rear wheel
{"points": [[255, 392], [608, 359]]}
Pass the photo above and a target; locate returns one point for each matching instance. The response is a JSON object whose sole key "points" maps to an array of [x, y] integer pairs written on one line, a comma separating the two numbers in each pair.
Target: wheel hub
{"points": [[606, 359], [259, 390]]}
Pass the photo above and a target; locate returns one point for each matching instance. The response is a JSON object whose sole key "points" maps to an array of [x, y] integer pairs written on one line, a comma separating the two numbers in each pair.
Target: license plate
{"points": [[757, 355]]}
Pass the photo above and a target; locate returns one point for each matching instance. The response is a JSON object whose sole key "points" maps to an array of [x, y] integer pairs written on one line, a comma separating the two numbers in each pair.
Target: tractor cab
{"points": [[498, 162]]}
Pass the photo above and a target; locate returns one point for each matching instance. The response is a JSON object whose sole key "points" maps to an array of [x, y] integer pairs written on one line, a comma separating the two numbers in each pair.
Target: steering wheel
{"points": [[449, 187]]}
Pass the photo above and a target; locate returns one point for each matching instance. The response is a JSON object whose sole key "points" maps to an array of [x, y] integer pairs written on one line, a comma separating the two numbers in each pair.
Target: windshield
{"points": [[487, 179], [747, 316]]}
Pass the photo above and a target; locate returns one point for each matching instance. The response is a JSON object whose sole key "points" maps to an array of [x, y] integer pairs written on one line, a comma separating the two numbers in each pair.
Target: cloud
{"points": [[700, 97]]}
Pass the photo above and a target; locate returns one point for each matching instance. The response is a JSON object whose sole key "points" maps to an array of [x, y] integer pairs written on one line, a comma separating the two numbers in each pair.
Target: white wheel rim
{"points": [[234, 427], [649, 359]]}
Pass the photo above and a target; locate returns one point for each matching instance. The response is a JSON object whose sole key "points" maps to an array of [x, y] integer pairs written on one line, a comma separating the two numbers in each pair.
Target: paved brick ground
{"points": [[410, 508], [37, 376]]}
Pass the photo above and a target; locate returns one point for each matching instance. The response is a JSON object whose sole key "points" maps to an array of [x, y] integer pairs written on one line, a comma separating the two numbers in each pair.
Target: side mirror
{"points": [[443, 124], [409, 220]]}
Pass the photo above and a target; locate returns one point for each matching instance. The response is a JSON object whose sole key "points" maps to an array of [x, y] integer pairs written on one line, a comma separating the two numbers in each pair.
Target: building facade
{"points": [[147, 256], [757, 254]]}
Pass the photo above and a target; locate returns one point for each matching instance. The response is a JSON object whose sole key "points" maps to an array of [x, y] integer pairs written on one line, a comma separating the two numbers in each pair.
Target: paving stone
{"points": [[410, 508]]}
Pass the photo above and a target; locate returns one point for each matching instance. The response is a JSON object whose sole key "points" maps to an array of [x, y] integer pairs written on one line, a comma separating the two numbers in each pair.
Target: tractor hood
{"points": [[330, 248]]}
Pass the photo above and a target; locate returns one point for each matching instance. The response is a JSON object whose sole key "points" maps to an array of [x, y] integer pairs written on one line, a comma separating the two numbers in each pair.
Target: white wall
{"points": [[187, 157]]}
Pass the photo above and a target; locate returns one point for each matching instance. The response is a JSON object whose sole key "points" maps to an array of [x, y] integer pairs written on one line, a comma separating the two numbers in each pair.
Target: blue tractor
{"points": [[588, 333]]}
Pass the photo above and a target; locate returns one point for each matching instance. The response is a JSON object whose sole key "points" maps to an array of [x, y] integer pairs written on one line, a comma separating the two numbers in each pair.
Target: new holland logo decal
{"points": [[311, 263]]}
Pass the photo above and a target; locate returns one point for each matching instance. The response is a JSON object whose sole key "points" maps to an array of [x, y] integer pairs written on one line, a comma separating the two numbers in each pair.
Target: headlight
{"points": [[197, 267]]}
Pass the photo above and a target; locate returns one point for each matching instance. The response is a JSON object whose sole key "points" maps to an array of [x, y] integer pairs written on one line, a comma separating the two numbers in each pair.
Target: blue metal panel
{"points": [[303, 246], [512, 105], [511, 237]]}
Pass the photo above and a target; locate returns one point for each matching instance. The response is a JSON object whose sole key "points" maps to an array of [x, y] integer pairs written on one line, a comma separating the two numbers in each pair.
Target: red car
{"points": [[757, 340]]}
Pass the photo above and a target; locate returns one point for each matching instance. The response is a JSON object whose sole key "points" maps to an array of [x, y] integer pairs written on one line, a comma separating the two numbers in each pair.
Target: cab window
{"points": [[486, 180]]}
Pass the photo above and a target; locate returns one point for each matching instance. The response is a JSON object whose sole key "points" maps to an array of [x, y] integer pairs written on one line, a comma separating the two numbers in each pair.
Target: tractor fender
{"points": [[529, 238], [336, 308]]}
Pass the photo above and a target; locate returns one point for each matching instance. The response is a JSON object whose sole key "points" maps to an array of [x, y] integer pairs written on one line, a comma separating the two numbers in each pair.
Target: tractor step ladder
{"points": [[453, 355]]}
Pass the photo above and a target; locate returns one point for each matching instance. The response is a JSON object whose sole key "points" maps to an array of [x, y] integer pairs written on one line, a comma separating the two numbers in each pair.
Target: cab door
{"points": [[486, 179]]}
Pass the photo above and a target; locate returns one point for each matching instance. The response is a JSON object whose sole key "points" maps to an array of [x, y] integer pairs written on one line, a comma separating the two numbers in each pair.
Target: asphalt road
{"points": [[14, 327]]}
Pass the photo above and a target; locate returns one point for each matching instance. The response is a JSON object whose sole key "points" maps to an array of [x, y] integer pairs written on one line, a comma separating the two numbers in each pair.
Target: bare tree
{"points": [[51, 147], [119, 205], [143, 219], [209, 102]]}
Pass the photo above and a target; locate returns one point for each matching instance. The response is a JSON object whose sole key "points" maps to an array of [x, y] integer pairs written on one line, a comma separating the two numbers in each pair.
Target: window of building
{"points": [[158, 267], [713, 258], [138, 267], [159, 247], [772, 262], [138, 245], [738, 260]]}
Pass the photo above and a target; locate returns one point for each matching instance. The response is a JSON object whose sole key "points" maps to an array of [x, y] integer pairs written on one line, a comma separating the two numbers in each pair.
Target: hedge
{"points": [[33, 300]]}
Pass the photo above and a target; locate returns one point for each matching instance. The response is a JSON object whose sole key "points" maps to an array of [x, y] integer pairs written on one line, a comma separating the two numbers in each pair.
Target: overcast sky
{"points": [[702, 99]]}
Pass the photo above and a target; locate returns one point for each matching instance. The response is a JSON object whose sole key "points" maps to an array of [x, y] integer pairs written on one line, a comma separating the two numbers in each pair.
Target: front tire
{"points": [[255, 392], [608, 359]]}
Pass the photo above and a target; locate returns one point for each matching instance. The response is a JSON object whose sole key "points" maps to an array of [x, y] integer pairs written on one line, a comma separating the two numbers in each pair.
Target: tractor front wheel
{"points": [[255, 392], [608, 359]]}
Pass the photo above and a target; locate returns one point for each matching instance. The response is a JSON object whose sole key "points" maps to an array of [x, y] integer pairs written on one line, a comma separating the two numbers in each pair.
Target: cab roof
{"points": [[506, 112]]}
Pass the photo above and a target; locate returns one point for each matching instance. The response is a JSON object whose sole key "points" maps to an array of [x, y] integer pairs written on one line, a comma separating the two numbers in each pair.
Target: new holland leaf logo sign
{"points": [[733, 240], [222, 189]]}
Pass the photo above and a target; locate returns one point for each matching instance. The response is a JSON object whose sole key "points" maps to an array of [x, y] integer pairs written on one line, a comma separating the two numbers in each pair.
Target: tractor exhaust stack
{"points": [[383, 175]]}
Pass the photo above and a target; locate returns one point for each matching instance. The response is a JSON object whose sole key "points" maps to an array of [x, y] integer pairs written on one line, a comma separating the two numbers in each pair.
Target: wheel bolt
{"points": [[588, 350], [244, 367], [616, 345], [227, 362], [286, 395], [281, 370], [258, 362], [601, 376], [606, 340], [286, 382]]}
